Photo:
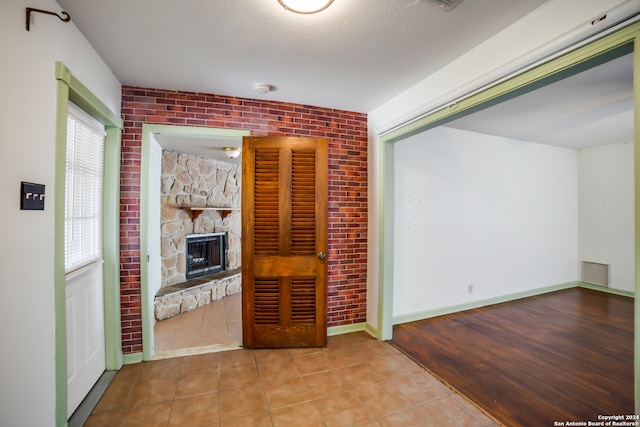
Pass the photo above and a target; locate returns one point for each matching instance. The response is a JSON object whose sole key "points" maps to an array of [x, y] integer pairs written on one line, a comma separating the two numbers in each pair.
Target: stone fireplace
{"points": [[200, 202], [205, 254], [198, 196]]}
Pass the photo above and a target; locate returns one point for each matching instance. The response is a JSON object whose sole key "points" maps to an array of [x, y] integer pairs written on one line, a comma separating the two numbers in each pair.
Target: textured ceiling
{"points": [[355, 55], [592, 108]]}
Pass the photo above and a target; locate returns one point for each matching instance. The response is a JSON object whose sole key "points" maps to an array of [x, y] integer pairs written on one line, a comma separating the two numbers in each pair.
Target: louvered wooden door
{"points": [[284, 242]]}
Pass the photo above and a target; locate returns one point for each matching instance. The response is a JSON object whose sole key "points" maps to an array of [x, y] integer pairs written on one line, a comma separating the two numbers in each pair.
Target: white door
{"points": [[83, 255], [85, 333]]}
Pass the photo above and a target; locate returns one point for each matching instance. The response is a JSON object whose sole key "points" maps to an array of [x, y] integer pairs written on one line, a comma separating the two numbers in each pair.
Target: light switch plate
{"points": [[31, 196]]}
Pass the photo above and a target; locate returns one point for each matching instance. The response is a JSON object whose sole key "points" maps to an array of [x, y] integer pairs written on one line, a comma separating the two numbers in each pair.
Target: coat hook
{"points": [[65, 18]]}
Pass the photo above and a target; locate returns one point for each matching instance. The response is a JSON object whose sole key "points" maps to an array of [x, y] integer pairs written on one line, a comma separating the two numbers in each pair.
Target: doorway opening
{"points": [[190, 190]]}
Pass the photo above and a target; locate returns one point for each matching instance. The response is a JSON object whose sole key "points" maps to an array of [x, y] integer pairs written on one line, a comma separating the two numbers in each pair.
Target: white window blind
{"points": [[83, 189]]}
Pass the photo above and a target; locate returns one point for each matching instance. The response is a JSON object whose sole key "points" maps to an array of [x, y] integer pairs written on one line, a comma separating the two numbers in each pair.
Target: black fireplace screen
{"points": [[206, 254]]}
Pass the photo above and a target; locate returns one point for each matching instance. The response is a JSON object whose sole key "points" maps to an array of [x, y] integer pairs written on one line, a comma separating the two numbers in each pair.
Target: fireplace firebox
{"points": [[205, 254]]}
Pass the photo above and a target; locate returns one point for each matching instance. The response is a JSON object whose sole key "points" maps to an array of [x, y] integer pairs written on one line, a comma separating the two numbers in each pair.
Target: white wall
{"points": [[27, 119], [542, 26], [606, 207], [497, 213]]}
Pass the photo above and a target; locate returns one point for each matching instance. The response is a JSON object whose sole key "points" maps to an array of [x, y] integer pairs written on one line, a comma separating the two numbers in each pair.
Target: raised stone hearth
{"points": [[182, 297]]}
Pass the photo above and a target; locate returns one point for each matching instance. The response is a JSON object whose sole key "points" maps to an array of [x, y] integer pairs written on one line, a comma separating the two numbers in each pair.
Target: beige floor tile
{"points": [[346, 356], [195, 411], [219, 322], [313, 363], [215, 336], [326, 384], [186, 339], [191, 318], [115, 397], [103, 419], [374, 349], [236, 358], [299, 352], [242, 402], [200, 363], [359, 376], [271, 370], [382, 399], [238, 376], [395, 366], [352, 339], [448, 411], [234, 331], [485, 420], [262, 420], [412, 417], [161, 368], [128, 373], [197, 383], [354, 381], [286, 392], [343, 410], [421, 388], [153, 391], [300, 415], [272, 355], [153, 415]]}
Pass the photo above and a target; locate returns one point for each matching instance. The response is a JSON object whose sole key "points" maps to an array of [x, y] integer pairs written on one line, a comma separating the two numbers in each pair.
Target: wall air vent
{"points": [[595, 273], [446, 4]]}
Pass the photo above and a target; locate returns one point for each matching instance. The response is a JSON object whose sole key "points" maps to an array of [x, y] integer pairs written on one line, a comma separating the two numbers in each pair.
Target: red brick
{"points": [[347, 134]]}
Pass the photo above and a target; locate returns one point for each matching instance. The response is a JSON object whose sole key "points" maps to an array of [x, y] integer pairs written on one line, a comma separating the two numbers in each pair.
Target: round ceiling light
{"points": [[306, 7], [231, 152]]}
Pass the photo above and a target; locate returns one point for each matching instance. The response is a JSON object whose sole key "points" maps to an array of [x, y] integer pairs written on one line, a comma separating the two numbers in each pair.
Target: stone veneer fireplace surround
{"points": [[198, 197]]}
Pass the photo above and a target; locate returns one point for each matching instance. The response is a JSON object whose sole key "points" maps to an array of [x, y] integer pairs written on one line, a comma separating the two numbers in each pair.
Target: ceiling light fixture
{"points": [[447, 4], [231, 152], [262, 88], [305, 7]]}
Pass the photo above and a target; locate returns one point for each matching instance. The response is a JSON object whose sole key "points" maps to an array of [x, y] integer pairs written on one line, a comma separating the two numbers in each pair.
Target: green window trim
{"points": [[69, 88]]}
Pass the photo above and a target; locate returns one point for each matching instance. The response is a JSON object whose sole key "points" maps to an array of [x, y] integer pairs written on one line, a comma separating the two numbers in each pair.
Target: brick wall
{"points": [[347, 134]]}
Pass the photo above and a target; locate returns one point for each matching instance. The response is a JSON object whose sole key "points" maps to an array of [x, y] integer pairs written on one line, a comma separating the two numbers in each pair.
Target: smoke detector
{"points": [[262, 88], [446, 4]]}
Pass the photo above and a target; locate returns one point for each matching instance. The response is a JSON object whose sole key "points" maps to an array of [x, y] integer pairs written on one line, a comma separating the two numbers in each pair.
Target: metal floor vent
{"points": [[595, 273], [446, 4]]}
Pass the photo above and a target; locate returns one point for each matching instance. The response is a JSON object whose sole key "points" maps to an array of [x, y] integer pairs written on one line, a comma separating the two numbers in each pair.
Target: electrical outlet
{"points": [[470, 288]]}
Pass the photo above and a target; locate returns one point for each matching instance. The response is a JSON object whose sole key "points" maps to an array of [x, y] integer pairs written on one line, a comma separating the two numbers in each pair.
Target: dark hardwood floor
{"points": [[563, 356]]}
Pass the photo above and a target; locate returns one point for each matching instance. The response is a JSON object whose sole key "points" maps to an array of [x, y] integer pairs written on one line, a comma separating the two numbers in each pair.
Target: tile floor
{"points": [[354, 381], [212, 327]]}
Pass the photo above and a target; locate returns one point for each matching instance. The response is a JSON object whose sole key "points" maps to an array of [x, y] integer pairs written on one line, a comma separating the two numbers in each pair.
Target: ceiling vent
{"points": [[446, 4]]}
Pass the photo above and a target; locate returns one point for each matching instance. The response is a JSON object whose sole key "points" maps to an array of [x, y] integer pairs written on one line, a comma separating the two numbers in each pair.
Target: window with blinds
{"points": [[83, 189]]}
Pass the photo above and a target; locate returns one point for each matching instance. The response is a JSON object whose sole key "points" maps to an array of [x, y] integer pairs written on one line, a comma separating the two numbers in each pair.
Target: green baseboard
{"points": [[620, 292], [355, 327], [132, 358], [412, 317]]}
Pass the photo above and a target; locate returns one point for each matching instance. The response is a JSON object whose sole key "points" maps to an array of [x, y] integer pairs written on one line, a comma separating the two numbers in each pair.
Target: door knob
{"points": [[322, 255]]}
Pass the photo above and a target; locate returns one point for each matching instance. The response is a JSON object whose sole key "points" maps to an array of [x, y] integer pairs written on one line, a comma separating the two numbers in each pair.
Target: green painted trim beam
{"points": [[85, 99], [355, 327], [412, 317], [636, 149], [69, 88], [133, 358], [60, 307], [613, 291], [601, 50], [147, 131]]}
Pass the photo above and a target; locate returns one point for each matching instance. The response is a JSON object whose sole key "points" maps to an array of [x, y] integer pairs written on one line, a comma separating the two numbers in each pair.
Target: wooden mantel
{"points": [[197, 210]]}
